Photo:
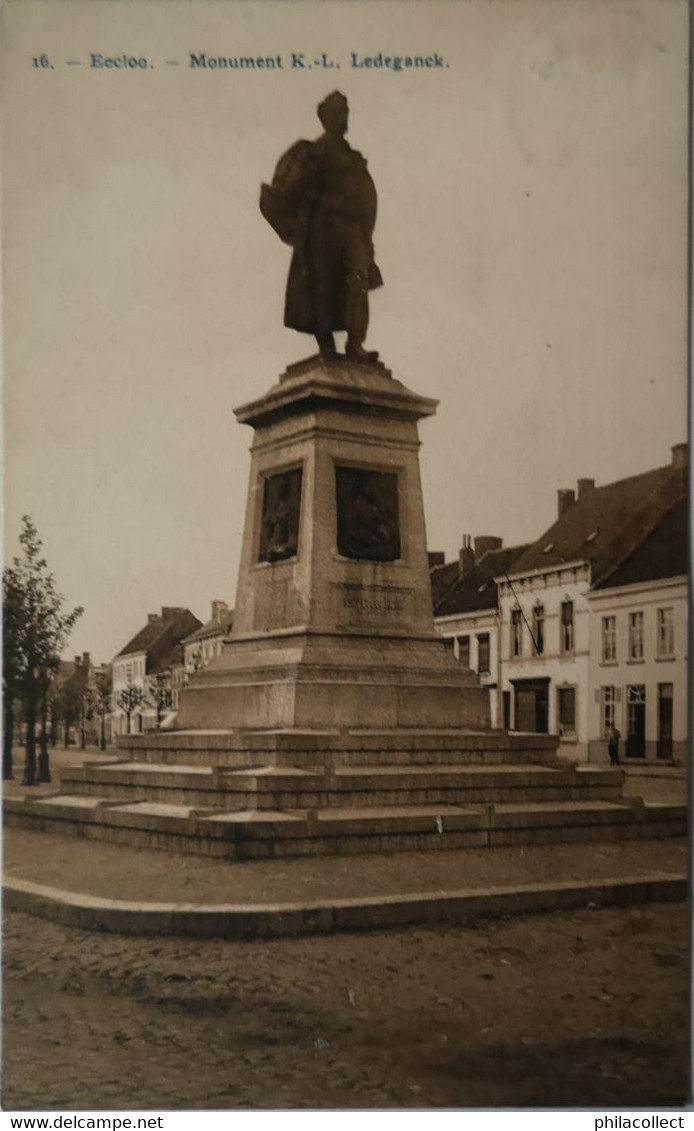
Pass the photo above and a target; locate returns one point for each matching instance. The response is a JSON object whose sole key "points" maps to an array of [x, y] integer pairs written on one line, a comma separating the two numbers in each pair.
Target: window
{"points": [[464, 650], [666, 633], [539, 629], [516, 633], [608, 698], [128, 672], [635, 636], [567, 626], [567, 710], [483, 653], [609, 640]]}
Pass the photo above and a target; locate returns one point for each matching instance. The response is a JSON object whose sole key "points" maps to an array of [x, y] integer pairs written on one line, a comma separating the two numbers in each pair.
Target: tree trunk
{"points": [[44, 760], [30, 763], [102, 742], [8, 738]]}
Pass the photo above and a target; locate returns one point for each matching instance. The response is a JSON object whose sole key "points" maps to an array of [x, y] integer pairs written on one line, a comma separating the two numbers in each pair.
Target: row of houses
{"points": [[587, 626], [149, 672]]}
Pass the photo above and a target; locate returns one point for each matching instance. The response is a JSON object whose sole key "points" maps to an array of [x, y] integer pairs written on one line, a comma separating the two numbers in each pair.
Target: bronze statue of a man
{"points": [[322, 202]]}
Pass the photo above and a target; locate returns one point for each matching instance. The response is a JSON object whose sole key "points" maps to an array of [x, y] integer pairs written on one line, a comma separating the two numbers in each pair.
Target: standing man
{"points": [[322, 201], [613, 737]]}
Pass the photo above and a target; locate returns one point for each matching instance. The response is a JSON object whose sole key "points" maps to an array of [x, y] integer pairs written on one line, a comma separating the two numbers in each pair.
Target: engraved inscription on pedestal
{"points": [[368, 526], [371, 599], [357, 605], [279, 529]]}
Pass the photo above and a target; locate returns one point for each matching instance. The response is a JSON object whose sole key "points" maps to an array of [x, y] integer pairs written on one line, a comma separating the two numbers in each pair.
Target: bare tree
{"points": [[128, 699]]}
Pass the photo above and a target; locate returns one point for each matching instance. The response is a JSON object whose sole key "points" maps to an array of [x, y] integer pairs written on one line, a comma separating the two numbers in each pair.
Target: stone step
{"points": [[349, 738], [253, 834], [528, 823], [240, 759], [292, 748], [291, 788]]}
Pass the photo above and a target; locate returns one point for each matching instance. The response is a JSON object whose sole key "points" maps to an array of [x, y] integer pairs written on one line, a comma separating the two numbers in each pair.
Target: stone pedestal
{"points": [[333, 624]]}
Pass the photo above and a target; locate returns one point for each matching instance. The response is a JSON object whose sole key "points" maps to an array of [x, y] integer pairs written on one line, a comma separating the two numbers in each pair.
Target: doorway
{"points": [[665, 697], [532, 705], [636, 721], [506, 706]]}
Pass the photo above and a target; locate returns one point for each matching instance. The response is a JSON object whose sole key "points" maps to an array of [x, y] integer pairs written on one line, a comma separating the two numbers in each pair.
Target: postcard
{"points": [[429, 263]]}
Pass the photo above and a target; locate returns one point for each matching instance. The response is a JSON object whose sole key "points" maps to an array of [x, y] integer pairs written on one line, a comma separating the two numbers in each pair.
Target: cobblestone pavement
{"points": [[570, 1008]]}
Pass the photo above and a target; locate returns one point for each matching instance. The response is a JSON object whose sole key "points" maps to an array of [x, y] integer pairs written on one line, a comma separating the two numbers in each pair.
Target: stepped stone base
{"points": [[288, 793], [301, 681]]}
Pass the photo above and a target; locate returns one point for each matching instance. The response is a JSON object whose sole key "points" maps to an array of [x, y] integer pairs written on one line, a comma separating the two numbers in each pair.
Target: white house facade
{"points": [[129, 672], [593, 620], [639, 669], [544, 644]]}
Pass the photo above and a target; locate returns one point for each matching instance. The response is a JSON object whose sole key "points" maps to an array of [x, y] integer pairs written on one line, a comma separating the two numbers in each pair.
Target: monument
{"points": [[333, 622], [335, 720]]}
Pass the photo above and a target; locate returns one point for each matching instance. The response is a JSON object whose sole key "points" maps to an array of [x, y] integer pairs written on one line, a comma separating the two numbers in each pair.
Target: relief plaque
{"points": [[368, 526], [279, 528]]}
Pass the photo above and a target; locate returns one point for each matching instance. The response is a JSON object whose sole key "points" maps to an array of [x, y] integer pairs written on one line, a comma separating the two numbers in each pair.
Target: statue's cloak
{"points": [[291, 205]]}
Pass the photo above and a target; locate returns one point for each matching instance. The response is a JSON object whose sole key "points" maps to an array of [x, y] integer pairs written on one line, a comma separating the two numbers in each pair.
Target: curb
{"points": [[281, 920]]}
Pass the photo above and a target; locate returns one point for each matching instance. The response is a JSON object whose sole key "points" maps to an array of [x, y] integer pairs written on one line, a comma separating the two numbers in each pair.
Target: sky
{"points": [[531, 234]]}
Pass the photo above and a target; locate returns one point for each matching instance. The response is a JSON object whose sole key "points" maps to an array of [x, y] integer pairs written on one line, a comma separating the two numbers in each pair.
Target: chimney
{"points": [[466, 556], [584, 487], [219, 610], [680, 456], [486, 542], [86, 661], [436, 558], [566, 497], [78, 661]]}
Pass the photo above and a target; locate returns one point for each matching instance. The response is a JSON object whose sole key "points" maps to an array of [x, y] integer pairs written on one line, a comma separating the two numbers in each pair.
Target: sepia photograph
{"points": [[346, 556]]}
